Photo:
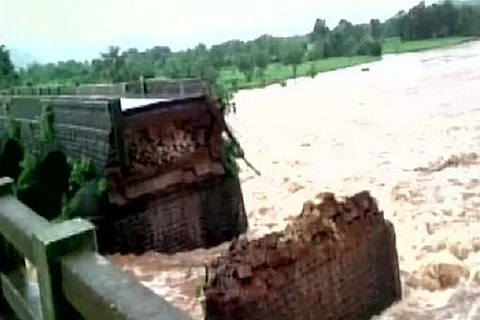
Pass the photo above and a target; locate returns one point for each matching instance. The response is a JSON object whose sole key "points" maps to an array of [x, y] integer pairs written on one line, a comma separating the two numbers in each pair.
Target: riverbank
{"points": [[279, 73], [395, 45]]}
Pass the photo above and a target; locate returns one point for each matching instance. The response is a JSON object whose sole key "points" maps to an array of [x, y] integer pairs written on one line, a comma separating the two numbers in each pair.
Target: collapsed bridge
{"points": [[160, 179], [155, 175], [336, 260]]}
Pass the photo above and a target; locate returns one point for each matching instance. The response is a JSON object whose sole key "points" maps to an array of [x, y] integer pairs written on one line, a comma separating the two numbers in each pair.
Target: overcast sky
{"points": [[62, 29]]}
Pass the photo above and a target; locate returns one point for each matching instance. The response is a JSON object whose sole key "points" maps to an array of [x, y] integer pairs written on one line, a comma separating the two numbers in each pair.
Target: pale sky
{"points": [[62, 29]]}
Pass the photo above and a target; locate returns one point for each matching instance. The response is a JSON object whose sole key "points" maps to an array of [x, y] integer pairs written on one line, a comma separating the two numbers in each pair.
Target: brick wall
{"points": [[337, 260], [198, 217]]}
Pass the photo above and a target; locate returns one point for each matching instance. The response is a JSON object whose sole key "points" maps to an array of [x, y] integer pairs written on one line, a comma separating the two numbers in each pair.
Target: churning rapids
{"points": [[408, 131]]}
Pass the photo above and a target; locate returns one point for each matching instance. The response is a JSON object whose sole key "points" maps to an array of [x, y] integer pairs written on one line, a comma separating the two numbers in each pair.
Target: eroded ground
{"points": [[408, 131]]}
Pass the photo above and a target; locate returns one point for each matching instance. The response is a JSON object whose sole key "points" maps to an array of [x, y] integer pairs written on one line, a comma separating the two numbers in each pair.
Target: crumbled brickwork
{"points": [[165, 140], [337, 260]]}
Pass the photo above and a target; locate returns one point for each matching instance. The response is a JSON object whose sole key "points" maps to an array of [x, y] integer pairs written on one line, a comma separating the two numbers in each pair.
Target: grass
{"points": [[395, 45], [279, 73], [231, 78]]}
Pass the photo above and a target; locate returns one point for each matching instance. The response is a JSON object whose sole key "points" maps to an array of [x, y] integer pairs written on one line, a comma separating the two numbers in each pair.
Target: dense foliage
{"points": [[251, 58], [442, 19], [8, 75], [48, 182]]}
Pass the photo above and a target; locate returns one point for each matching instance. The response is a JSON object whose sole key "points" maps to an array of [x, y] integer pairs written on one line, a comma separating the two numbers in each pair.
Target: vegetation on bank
{"points": [[267, 59], [48, 182], [275, 73], [396, 45]]}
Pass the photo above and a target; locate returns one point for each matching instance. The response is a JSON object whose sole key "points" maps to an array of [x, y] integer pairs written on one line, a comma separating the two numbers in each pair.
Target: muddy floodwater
{"points": [[408, 130]]}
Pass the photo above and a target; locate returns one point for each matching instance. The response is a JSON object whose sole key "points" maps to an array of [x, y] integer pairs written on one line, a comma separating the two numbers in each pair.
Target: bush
{"points": [[376, 49], [369, 47]]}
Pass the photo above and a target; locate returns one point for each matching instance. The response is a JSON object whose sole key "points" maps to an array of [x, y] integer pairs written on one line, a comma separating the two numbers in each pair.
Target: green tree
{"points": [[113, 64], [262, 59], [317, 50], [173, 67], [292, 54], [320, 30], [8, 75], [204, 69], [246, 65], [441, 19], [375, 28], [217, 54]]}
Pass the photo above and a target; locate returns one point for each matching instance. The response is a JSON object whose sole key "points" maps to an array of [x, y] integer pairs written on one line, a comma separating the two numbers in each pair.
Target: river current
{"points": [[408, 130]]}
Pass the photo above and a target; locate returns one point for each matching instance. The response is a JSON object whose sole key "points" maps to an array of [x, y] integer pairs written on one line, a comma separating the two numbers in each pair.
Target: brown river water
{"points": [[408, 130]]}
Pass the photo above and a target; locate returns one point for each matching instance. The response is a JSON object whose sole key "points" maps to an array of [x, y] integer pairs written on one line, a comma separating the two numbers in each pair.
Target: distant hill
{"points": [[21, 59]]}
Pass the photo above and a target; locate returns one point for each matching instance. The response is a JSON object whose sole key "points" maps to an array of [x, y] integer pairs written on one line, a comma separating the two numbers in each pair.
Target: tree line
{"points": [[251, 58], [437, 20]]}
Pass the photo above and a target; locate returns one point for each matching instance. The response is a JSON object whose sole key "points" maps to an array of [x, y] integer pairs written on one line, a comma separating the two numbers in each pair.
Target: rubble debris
{"points": [[163, 146], [463, 159], [289, 274]]}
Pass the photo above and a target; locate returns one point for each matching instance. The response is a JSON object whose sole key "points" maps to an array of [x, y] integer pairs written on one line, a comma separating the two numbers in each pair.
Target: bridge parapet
{"points": [[74, 281], [143, 88]]}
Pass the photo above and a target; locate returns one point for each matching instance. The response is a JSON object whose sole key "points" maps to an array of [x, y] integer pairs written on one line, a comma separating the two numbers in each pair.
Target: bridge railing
{"points": [[142, 88], [74, 281]]}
